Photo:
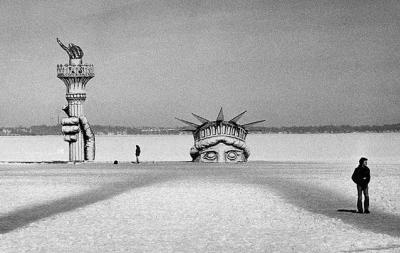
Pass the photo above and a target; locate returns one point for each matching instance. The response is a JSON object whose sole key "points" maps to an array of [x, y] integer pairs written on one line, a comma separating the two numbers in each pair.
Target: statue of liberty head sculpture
{"points": [[219, 141]]}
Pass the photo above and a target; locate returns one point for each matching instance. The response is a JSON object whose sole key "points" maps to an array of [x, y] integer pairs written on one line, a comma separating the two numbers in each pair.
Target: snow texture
{"points": [[187, 207]]}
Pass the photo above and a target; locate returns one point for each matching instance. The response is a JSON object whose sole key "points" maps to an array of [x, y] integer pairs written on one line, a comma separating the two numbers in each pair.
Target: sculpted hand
{"points": [[71, 126]]}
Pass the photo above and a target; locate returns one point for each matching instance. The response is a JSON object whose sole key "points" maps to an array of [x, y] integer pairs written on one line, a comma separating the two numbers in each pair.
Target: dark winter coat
{"points": [[137, 151], [361, 176]]}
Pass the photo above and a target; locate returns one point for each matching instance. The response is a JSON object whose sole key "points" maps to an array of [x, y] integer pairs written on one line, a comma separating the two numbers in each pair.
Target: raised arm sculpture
{"points": [[76, 128], [73, 51]]}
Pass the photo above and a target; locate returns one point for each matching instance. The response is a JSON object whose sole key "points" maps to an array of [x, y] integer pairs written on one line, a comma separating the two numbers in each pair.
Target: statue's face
{"points": [[222, 153]]}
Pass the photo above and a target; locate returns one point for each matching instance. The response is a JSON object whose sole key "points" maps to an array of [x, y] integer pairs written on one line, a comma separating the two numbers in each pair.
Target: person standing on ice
{"points": [[361, 176], [137, 153]]}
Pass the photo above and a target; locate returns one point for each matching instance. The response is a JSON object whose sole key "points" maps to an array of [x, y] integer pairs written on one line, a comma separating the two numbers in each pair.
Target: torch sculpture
{"points": [[76, 128]]}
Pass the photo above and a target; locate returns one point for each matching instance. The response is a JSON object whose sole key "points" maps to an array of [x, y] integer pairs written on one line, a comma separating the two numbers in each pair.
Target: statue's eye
{"points": [[231, 155], [210, 155]]}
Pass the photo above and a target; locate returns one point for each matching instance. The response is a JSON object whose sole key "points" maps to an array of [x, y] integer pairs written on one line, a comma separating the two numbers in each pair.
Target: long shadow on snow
{"points": [[331, 204], [25, 216]]}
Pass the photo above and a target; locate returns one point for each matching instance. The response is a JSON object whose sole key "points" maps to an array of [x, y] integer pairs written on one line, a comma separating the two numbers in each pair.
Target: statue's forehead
{"points": [[221, 147]]}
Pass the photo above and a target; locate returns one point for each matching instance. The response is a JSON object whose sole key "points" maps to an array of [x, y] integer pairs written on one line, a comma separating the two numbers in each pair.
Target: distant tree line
{"points": [[98, 129], [328, 129], [122, 130]]}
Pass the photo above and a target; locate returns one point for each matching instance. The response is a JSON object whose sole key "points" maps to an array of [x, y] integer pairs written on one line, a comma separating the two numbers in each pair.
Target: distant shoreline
{"points": [[101, 130], [163, 134]]}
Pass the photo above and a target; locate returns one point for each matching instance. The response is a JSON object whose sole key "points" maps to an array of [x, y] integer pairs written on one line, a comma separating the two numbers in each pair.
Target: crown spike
{"points": [[235, 119], [188, 123], [220, 115], [252, 123], [201, 119]]}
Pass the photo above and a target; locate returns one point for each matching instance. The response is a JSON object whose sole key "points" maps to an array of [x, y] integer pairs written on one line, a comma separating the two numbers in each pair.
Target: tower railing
{"points": [[81, 70]]}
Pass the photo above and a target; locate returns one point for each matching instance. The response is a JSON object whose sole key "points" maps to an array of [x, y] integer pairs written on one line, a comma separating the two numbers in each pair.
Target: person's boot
{"points": [[359, 206], [366, 205]]}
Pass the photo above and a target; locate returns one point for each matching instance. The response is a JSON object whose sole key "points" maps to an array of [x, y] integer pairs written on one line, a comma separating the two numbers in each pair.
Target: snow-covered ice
{"points": [[187, 207], [380, 147]]}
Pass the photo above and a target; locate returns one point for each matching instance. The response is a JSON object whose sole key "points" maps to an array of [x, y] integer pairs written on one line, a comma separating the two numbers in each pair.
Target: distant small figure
{"points": [[137, 153], [115, 162], [361, 176]]}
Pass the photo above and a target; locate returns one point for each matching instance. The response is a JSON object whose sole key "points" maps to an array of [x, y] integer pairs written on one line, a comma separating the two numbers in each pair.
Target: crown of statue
{"points": [[219, 127]]}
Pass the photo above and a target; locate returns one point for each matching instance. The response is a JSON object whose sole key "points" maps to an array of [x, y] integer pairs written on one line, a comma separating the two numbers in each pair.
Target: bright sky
{"points": [[304, 62]]}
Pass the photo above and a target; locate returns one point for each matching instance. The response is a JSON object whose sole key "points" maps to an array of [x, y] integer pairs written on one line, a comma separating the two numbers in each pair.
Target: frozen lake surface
{"points": [[191, 207], [378, 147]]}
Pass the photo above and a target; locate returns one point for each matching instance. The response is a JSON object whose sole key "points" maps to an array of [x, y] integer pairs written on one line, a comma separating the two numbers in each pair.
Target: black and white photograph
{"points": [[199, 126]]}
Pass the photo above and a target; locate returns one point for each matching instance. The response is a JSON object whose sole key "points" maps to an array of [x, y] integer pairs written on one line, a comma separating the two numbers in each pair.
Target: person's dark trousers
{"points": [[360, 191]]}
